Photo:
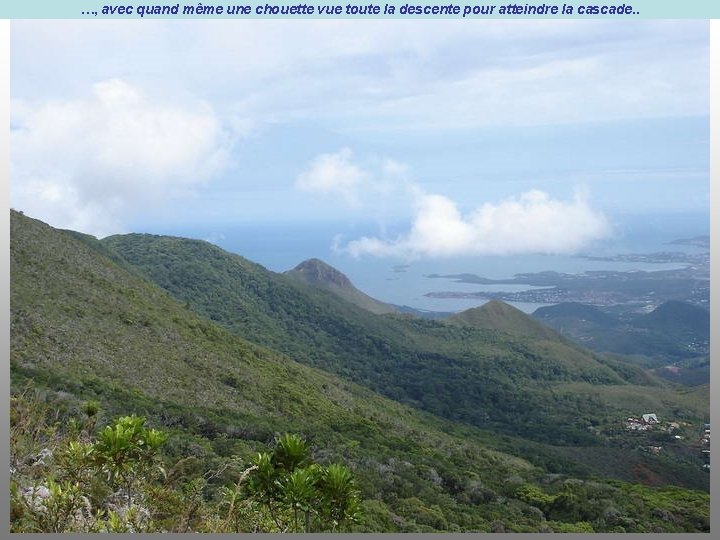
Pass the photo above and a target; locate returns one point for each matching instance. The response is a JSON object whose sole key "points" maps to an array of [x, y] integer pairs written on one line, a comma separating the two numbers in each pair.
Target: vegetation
{"points": [[492, 376], [673, 332], [497, 315], [302, 496], [318, 274], [117, 481], [69, 476], [93, 344]]}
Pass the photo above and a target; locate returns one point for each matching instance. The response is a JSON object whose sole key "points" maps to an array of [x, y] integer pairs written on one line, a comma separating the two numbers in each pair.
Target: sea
{"points": [[281, 246]]}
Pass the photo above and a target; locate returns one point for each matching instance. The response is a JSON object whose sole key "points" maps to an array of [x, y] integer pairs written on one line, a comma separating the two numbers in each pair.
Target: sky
{"points": [[443, 138]]}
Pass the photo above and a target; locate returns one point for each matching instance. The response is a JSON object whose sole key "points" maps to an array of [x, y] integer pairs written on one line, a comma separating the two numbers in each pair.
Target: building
{"points": [[650, 418]]}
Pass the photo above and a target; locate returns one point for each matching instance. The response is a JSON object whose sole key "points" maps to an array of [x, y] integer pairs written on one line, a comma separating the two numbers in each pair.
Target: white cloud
{"points": [[334, 174], [340, 175], [371, 84], [354, 75], [89, 164], [530, 223]]}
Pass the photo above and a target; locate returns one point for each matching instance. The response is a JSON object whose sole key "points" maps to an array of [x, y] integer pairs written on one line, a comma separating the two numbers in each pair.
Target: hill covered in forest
{"points": [[319, 274], [228, 355], [497, 315], [675, 332], [480, 376]]}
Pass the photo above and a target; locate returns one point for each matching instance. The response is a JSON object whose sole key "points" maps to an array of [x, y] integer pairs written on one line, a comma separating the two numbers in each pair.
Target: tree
{"points": [[127, 451], [302, 496]]}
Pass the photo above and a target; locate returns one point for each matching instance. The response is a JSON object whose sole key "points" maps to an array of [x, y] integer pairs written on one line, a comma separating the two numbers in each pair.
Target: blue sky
{"points": [[450, 138]]}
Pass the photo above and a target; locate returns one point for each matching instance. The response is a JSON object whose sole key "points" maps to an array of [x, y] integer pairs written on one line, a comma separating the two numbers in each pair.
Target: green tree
{"points": [[128, 451], [302, 496], [341, 498]]}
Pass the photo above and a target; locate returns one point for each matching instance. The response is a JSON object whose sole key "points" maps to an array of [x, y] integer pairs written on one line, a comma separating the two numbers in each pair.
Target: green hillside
{"points": [[575, 311], [674, 331], [318, 274], [459, 372], [497, 315], [483, 377], [84, 328], [678, 319]]}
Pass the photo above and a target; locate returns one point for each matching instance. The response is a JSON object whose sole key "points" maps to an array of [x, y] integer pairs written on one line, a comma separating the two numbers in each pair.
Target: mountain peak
{"points": [[317, 272], [320, 274], [497, 315], [499, 307], [495, 308]]}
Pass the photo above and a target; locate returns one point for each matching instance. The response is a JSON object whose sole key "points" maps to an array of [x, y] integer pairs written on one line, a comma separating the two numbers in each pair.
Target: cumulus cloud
{"points": [[88, 164], [334, 174], [340, 175], [530, 223], [533, 222]]}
